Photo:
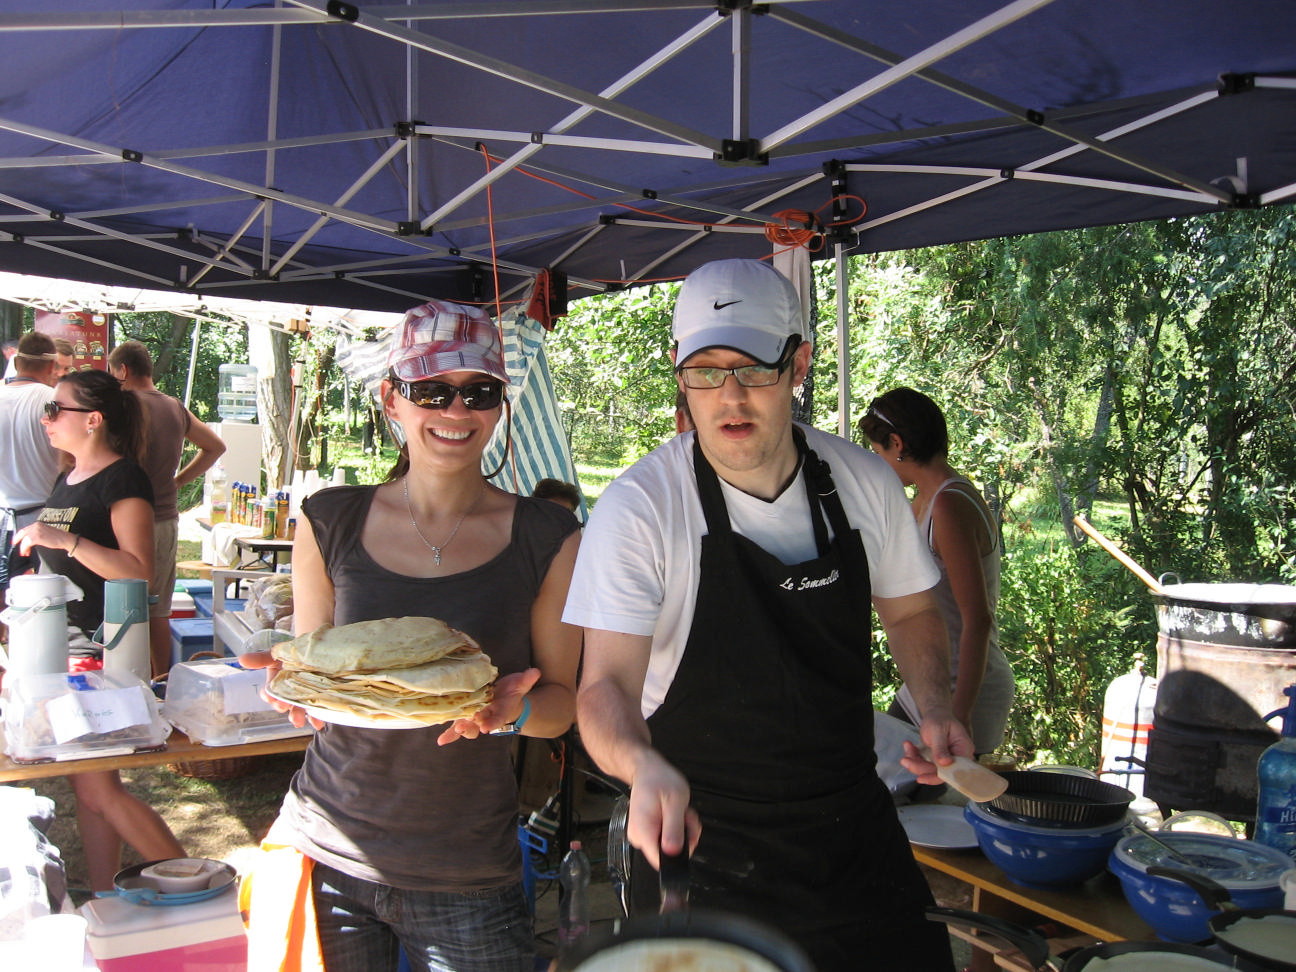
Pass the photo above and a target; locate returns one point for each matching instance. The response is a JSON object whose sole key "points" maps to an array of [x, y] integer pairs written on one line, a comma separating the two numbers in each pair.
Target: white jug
{"points": [[37, 620]]}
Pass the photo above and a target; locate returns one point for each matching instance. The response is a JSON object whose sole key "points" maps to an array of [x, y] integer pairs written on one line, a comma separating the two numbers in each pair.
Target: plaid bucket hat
{"points": [[440, 337]]}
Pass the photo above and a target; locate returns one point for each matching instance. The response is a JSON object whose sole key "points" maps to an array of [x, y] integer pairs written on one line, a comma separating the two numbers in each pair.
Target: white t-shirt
{"points": [[638, 567], [28, 463]]}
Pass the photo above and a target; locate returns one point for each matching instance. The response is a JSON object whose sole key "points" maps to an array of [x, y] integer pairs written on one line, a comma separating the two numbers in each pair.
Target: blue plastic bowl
{"points": [[1247, 871], [1043, 857]]}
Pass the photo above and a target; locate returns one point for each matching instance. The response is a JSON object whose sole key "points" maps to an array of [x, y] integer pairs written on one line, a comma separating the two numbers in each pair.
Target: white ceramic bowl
{"points": [[181, 875]]}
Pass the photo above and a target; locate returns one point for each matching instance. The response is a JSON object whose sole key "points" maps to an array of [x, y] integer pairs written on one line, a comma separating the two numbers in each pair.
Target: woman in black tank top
{"points": [[412, 832]]}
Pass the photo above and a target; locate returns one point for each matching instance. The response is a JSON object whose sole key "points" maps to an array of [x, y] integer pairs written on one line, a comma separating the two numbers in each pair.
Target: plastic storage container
{"points": [[1276, 802], [79, 715], [236, 398], [217, 703], [206, 935]]}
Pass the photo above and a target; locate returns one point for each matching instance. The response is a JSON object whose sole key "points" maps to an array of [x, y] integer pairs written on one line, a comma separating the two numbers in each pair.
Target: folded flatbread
{"points": [[372, 646], [395, 669]]}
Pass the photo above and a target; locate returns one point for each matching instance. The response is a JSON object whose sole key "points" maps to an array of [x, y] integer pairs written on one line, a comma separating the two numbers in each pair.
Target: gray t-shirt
{"points": [[390, 805]]}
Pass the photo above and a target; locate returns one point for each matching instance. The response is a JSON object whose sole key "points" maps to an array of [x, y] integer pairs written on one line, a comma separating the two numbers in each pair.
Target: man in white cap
{"points": [[724, 584]]}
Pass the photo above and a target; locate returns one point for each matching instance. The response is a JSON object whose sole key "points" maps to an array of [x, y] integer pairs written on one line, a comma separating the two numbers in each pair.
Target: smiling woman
{"points": [[435, 540]]}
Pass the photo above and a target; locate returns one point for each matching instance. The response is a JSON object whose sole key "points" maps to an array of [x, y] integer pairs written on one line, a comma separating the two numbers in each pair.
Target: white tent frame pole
{"points": [[906, 68], [441, 47], [843, 344], [193, 362], [627, 80], [393, 150], [1030, 168], [1016, 113]]}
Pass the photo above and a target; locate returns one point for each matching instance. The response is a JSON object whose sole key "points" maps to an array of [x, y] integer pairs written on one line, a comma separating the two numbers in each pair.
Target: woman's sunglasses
{"points": [[52, 409], [480, 396]]}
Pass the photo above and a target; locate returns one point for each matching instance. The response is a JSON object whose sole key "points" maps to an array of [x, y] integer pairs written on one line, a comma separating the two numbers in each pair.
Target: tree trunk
{"points": [[1097, 441], [11, 320], [312, 408], [179, 329], [275, 402]]}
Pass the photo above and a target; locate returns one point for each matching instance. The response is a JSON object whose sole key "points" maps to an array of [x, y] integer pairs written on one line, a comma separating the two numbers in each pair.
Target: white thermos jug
{"points": [[37, 620], [124, 633]]}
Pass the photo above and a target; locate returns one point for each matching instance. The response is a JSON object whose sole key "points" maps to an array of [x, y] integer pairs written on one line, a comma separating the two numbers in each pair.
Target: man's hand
{"points": [[660, 815], [945, 737]]}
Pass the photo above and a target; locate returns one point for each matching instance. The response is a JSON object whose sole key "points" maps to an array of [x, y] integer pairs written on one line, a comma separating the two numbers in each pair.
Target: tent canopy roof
{"points": [[375, 155]]}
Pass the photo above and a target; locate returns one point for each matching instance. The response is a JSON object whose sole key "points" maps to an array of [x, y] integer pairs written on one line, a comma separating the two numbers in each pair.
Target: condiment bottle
{"points": [[1276, 804], [573, 896]]}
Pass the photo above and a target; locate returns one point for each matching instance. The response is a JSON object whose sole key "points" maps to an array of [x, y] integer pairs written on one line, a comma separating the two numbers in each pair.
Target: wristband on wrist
{"points": [[75, 543], [515, 727]]}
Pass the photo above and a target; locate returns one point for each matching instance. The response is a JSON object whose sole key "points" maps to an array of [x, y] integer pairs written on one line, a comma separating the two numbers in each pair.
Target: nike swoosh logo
{"points": [[719, 306]]}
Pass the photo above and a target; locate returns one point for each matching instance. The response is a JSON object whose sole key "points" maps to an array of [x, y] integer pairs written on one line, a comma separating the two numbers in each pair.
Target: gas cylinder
{"points": [[1126, 725]]}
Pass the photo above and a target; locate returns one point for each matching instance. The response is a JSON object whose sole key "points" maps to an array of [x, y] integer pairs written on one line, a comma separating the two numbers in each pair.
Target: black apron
{"points": [[770, 717]]}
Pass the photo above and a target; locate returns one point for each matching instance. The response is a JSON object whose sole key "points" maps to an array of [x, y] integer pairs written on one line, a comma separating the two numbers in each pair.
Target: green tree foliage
{"points": [[1150, 366], [169, 339], [612, 373]]}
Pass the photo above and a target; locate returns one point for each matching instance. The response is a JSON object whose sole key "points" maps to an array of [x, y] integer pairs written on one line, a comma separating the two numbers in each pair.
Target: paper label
{"points": [[243, 692], [101, 711]]}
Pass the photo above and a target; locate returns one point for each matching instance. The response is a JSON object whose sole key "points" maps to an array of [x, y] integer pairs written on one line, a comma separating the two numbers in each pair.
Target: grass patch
{"points": [[594, 479]]}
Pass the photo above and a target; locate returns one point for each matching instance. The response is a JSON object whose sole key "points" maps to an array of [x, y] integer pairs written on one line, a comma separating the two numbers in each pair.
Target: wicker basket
{"points": [[215, 769]]}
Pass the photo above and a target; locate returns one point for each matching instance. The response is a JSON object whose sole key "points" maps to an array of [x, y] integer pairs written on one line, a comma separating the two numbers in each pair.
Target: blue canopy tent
{"points": [[374, 155]]}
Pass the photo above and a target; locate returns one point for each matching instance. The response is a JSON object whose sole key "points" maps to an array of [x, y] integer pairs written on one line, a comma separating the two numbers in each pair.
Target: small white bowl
{"points": [[179, 876]]}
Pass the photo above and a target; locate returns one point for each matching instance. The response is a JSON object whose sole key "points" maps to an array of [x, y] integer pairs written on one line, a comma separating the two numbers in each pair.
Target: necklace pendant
{"points": [[436, 556]]}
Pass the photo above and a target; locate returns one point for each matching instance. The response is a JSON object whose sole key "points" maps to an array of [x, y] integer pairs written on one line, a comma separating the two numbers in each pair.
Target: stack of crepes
{"points": [[393, 669]]}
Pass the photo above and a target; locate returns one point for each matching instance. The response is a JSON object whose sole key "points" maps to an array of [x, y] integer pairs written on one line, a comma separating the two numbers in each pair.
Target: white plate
{"points": [[338, 718], [937, 825]]}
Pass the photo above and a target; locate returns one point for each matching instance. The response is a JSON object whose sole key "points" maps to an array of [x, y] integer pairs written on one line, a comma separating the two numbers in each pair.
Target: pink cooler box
{"points": [[206, 936]]}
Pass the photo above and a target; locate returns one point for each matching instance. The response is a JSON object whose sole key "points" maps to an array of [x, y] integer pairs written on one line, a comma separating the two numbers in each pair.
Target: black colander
{"points": [[1060, 799]]}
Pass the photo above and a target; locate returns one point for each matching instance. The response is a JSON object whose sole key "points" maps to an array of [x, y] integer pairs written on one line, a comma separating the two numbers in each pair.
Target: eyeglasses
{"points": [[52, 409], [480, 396], [749, 376]]}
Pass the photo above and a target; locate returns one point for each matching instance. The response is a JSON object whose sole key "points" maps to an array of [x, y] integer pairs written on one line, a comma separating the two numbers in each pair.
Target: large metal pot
{"points": [[1243, 615]]}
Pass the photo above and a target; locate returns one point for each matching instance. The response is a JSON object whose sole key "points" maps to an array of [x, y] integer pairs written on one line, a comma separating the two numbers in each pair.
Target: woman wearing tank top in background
{"points": [[908, 430], [412, 833], [97, 525]]}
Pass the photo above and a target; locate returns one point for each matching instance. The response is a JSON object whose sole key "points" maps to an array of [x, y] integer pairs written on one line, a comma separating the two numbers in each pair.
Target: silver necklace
{"points": [[436, 550]]}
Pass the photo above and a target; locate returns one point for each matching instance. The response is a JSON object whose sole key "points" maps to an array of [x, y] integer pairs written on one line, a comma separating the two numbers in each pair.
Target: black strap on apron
{"points": [[770, 717]]}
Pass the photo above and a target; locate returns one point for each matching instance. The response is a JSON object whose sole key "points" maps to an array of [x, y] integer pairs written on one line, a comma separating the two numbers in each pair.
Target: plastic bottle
{"points": [[573, 896], [281, 514], [269, 508], [1276, 804], [219, 497]]}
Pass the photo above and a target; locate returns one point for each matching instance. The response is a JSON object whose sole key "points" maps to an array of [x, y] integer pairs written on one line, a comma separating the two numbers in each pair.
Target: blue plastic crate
{"points": [[190, 636]]}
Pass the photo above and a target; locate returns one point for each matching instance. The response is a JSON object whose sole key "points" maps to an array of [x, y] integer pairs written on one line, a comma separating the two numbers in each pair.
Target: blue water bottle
{"points": [[1276, 805]]}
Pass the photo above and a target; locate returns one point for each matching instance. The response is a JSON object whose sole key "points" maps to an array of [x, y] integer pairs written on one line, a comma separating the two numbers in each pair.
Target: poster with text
{"points": [[87, 332]]}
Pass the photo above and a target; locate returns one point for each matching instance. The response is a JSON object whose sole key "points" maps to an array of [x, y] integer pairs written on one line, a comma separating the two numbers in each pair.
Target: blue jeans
{"points": [[363, 925]]}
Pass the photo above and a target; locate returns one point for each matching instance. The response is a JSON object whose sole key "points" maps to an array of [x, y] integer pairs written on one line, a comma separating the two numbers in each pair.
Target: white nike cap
{"points": [[744, 305]]}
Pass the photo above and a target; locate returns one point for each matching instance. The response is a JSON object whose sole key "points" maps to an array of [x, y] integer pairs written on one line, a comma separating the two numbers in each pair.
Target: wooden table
{"points": [[179, 749], [1096, 910]]}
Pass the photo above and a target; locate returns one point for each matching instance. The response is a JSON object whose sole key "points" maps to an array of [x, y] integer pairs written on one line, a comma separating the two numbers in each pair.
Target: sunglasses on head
{"points": [[52, 409], [480, 396]]}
